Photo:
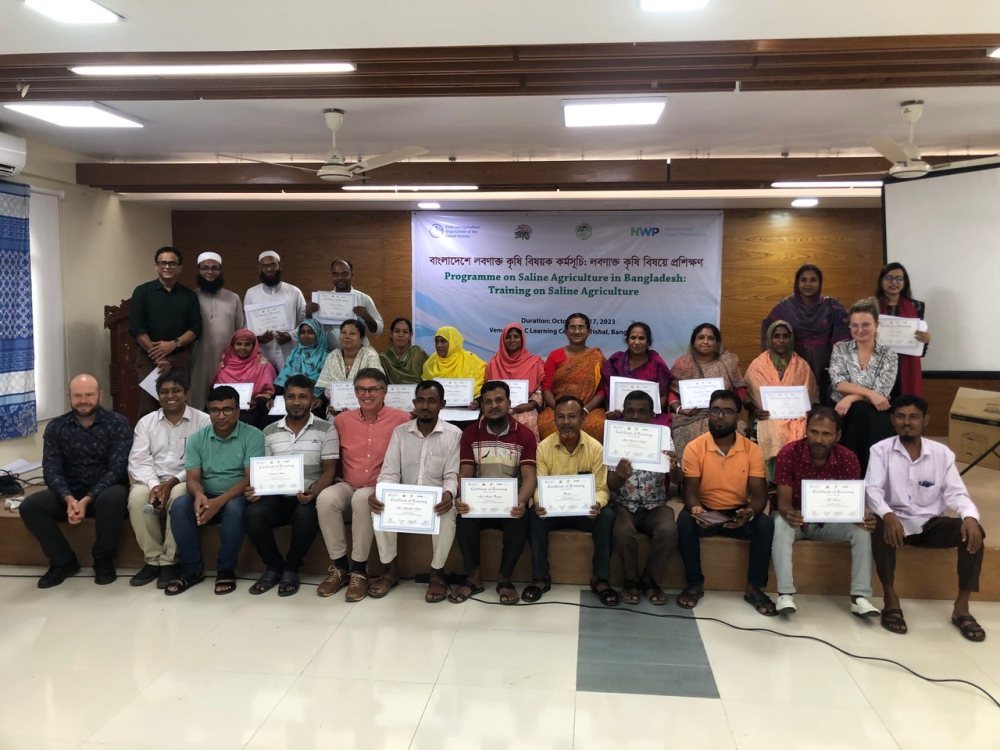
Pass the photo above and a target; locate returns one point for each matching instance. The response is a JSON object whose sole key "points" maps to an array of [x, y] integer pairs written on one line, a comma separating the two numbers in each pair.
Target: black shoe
{"points": [[167, 574], [56, 574], [148, 574], [104, 572]]}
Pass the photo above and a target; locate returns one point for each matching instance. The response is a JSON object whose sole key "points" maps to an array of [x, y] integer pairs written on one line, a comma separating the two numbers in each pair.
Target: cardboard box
{"points": [[974, 426]]}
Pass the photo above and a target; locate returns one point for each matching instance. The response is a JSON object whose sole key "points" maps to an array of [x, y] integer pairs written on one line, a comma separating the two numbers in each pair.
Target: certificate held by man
{"points": [[641, 443], [342, 395], [408, 508], [335, 307], [833, 501], [696, 392], [567, 495], [400, 396], [264, 318], [458, 394], [277, 475], [489, 498]]}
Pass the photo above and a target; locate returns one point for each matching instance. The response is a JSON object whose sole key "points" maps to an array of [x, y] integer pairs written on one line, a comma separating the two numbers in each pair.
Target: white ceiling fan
{"points": [[336, 168]]}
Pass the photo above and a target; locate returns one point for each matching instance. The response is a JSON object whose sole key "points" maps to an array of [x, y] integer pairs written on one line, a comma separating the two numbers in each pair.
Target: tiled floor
{"points": [[116, 667]]}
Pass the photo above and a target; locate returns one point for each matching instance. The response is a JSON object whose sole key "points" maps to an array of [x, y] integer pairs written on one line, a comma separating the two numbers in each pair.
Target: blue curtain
{"points": [[17, 351]]}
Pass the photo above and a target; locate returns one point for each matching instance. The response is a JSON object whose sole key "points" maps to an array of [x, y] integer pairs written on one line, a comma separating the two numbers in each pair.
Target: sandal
{"points": [[466, 589], [761, 602], [969, 628], [182, 584], [655, 594], [689, 597], [289, 583], [533, 593], [265, 583], [508, 594], [225, 582], [608, 596], [631, 595], [437, 590], [892, 620], [382, 586]]}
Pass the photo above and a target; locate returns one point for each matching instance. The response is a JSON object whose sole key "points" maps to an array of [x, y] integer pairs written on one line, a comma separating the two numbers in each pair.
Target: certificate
{"points": [[400, 396], [518, 392], [335, 307], [898, 334], [791, 402], [697, 392], [489, 498], [621, 387], [278, 409], [567, 495], [342, 395], [265, 317], [458, 415], [457, 391], [277, 475], [246, 393], [833, 501], [642, 444], [148, 383], [409, 508]]}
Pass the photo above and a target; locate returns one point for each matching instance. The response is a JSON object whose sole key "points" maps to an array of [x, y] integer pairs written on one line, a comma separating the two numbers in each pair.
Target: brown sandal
{"points": [[437, 590], [382, 586]]}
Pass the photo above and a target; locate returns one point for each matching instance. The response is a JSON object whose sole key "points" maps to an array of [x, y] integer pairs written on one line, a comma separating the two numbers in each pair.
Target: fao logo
{"points": [[523, 232], [584, 231], [436, 230]]}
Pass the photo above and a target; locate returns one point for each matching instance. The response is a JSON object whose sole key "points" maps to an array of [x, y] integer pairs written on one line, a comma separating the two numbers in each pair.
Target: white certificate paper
{"points": [[833, 501], [785, 402], [342, 395], [458, 391], [246, 393], [400, 396], [148, 383], [489, 498], [621, 387], [265, 317], [409, 508], [898, 334], [518, 392], [277, 475], [697, 392], [278, 408], [567, 495], [334, 307], [642, 444]]}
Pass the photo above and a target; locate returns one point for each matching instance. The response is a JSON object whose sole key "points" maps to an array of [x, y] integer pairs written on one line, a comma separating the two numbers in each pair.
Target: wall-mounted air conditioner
{"points": [[13, 151]]}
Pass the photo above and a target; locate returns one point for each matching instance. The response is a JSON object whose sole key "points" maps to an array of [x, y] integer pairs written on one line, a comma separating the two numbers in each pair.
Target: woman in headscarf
{"points": [[513, 361], [575, 370], [354, 355], [819, 322], [451, 360], [403, 362], [639, 362], [308, 356], [242, 362], [778, 365], [894, 298]]}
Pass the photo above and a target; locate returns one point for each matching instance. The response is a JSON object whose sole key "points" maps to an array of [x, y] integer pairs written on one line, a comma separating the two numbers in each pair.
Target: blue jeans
{"points": [[185, 527]]}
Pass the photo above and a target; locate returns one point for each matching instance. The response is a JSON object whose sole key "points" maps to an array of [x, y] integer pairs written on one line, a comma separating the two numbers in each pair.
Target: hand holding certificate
{"points": [[400, 396], [407, 508], [621, 387], [264, 318], [833, 501], [458, 396], [697, 392], [785, 402], [567, 495], [342, 395], [899, 334], [489, 498], [335, 307], [518, 392], [642, 444], [277, 475]]}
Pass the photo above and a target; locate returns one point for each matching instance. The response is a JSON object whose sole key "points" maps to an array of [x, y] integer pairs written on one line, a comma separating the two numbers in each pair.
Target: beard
{"points": [[908, 439], [721, 431], [210, 287], [273, 281]]}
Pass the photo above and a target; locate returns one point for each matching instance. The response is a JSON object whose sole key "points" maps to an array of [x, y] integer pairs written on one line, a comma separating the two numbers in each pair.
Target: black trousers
{"points": [[759, 532], [268, 513], [938, 533], [515, 536], [864, 425], [43, 511], [599, 529]]}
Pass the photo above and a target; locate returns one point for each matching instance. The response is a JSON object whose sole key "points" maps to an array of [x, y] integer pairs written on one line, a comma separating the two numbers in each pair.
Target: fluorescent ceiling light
{"points": [[994, 53], [583, 113], [429, 205], [73, 11], [808, 185], [409, 188], [805, 203], [671, 6], [75, 115], [226, 69]]}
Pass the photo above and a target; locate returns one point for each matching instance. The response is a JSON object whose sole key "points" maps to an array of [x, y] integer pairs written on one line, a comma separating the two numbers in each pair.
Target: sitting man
{"points": [[425, 452], [364, 435], [571, 451], [218, 473], [639, 500], [84, 464], [721, 469], [495, 446], [819, 456], [316, 440], [156, 465], [910, 483]]}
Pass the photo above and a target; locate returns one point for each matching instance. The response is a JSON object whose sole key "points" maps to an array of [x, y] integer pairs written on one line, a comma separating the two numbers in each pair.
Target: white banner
{"points": [[480, 271]]}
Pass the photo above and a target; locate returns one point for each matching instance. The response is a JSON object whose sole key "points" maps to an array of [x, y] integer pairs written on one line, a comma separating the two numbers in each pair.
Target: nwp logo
{"points": [[644, 231]]}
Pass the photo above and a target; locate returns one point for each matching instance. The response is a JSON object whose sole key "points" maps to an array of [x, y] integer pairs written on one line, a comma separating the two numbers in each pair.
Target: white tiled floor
{"points": [[115, 667]]}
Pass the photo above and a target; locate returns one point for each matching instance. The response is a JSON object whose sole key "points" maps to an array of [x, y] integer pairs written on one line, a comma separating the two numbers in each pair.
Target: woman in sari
{"points": [[819, 322], [402, 361], [354, 355], [451, 360], [242, 362], [513, 361], [894, 298], [308, 356], [639, 362], [779, 366], [706, 358], [574, 369]]}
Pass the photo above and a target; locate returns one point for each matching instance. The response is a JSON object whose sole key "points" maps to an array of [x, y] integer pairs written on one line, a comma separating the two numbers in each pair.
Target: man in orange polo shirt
{"points": [[721, 471]]}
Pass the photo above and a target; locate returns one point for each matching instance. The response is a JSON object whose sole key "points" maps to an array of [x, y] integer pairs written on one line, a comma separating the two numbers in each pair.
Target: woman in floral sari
{"points": [[574, 369]]}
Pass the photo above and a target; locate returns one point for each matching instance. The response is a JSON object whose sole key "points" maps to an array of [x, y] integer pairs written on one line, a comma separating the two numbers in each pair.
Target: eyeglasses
{"points": [[894, 279], [226, 411], [167, 263], [213, 269], [373, 389], [716, 411]]}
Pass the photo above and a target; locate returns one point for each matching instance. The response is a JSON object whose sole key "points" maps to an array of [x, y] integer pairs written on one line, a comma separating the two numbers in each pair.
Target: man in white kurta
{"points": [[221, 317], [275, 345]]}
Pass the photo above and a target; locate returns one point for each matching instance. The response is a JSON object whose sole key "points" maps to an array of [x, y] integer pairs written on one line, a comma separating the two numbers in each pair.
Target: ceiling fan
{"points": [[335, 168], [905, 157]]}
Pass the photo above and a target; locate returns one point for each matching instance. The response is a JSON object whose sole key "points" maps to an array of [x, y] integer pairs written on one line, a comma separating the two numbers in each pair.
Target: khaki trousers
{"points": [[333, 506], [158, 548]]}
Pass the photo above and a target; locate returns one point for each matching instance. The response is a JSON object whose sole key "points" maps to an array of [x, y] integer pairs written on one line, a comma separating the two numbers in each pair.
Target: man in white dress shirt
{"points": [[910, 483], [275, 345], [343, 277], [156, 466]]}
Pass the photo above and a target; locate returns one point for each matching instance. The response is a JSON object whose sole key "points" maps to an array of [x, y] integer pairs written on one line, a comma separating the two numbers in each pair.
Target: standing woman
{"points": [[706, 358], [639, 362], [242, 362], [403, 362], [819, 322], [863, 373], [354, 355], [513, 361], [574, 369], [893, 295]]}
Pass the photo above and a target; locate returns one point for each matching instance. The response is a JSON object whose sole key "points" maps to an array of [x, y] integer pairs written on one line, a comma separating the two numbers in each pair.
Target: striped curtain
{"points": [[17, 352]]}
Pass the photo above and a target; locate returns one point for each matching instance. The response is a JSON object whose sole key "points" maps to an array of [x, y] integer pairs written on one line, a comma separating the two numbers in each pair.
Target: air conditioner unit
{"points": [[13, 151]]}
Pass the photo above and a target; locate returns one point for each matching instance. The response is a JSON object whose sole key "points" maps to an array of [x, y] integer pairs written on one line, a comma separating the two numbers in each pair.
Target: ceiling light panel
{"points": [[227, 69], [73, 11], [75, 115], [584, 113]]}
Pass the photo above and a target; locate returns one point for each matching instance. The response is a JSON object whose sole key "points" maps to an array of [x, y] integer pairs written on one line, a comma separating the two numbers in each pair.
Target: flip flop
{"points": [[459, 595], [970, 629]]}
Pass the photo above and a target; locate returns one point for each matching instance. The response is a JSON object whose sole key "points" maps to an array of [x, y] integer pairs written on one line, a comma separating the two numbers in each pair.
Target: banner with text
{"points": [[480, 271]]}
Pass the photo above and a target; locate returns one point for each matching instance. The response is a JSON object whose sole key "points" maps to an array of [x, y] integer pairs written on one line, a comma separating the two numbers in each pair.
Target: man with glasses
{"points": [[275, 345], [364, 435], [364, 309], [165, 321], [221, 317], [722, 469]]}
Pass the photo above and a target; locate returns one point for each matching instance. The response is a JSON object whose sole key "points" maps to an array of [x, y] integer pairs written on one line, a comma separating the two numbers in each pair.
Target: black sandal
{"points": [[266, 582], [608, 596], [970, 629], [507, 598], [761, 602], [288, 585], [892, 620], [225, 582], [533, 593], [689, 597], [458, 595], [182, 584]]}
